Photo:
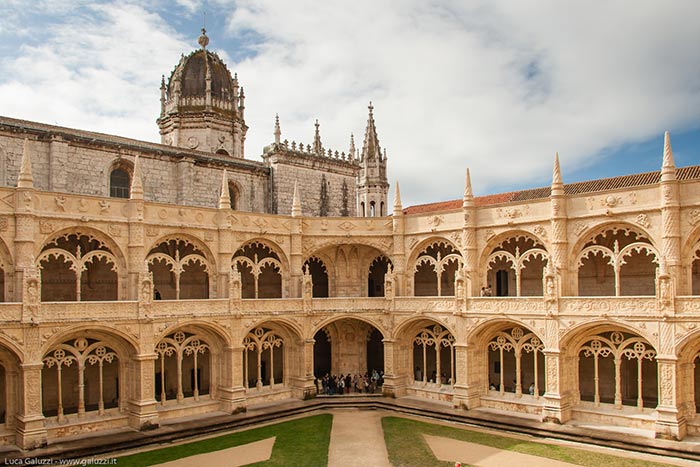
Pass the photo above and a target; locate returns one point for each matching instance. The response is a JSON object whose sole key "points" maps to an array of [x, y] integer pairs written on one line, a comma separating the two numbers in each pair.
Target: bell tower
{"points": [[372, 184], [202, 106]]}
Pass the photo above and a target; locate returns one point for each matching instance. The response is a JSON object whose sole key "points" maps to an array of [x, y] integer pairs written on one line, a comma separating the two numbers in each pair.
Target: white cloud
{"points": [[498, 86]]}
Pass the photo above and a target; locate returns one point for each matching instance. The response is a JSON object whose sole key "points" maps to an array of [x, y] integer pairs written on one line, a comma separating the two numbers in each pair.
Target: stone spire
{"points": [[136, 183], [468, 199], [162, 94], [557, 184], [318, 147], [668, 167], [224, 195], [370, 147], [25, 179], [352, 149], [398, 209], [278, 132], [296, 203]]}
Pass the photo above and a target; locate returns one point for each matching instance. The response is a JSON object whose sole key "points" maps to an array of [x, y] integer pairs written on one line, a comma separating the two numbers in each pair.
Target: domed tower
{"points": [[202, 106], [372, 184]]}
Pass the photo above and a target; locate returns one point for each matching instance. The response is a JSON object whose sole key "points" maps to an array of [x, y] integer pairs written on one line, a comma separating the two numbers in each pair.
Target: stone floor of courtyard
{"points": [[357, 437]]}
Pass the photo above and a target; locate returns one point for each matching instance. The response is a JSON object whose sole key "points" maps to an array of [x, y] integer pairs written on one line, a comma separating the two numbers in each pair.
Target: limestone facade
{"points": [[124, 312]]}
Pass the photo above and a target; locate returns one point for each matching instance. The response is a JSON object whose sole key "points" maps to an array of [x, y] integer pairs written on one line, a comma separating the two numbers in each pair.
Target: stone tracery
{"points": [[258, 342], [178, 352], [435, 268], [261, 271], [180, 270]]}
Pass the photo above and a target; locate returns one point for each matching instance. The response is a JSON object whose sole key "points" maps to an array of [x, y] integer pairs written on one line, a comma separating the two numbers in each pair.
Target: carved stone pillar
{"points": [[231, 391], [557, 403], [295, 261], [30, 428], [303, 385], [141, 405], [393, 383], [670, 424], [463, 398], [136, 253], [558, 226]]}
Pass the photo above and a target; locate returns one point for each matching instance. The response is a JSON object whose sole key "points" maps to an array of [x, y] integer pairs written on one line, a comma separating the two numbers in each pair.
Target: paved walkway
{"points": [[452, 450], [357, 438], [245, 454]]}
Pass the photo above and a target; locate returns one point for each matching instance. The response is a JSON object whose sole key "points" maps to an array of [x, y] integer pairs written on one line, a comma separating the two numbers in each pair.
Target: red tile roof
{"points": [[591, 186]]}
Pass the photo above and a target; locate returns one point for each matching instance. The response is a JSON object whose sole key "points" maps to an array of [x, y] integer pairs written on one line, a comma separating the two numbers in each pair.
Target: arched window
{"points": [[233, 195], [372, 212], [119, 183]]}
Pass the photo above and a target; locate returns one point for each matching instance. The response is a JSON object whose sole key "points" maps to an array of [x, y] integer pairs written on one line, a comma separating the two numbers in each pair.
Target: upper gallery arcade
{"points": [[144, 282]]}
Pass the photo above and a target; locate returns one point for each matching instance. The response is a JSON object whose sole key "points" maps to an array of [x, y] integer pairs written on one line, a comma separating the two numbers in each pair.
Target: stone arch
{"points": [[272, 355], [432, 267], [347, 264], [88, 259], [261, 268], [86, 369], [606, 358], [123, 190], [7, 273], [190, 362], [319, 270], [377, 271], [513, 263], [614, 259], [183, 267], [352, 347], [425, 357]]}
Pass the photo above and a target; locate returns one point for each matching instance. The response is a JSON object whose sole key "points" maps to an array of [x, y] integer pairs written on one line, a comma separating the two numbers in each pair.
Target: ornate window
{"points": [[266, 349], [622, 349], [77, 267], [182, 369], [618, 261], [435, 269], [260, 270], [516, 341], [91, 365], [180, 270], [522, 256], [429, 349]]}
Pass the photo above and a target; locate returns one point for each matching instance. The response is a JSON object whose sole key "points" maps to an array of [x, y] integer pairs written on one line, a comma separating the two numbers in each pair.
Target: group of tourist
{"points": [[346, 384], [496, 387], [486, 291]]}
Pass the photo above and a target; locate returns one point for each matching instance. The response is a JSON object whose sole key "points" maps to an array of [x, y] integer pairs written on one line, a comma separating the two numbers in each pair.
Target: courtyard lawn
{"points": [[302, 442], [407, 447]]}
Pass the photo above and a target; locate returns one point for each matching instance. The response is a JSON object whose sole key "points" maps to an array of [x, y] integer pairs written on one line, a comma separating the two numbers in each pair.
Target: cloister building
{"points": [[145, 282]]}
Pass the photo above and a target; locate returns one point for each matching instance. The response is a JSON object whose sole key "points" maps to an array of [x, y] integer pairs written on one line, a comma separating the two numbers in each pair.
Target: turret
{"points": [[372, 184]]}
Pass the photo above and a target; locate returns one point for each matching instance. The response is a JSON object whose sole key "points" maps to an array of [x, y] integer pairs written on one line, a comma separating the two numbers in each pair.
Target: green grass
{"points": [[302, 442], [407, 447]]}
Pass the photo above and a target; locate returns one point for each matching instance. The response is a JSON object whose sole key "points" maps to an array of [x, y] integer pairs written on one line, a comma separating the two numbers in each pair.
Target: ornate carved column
{"points": [[558, 224], [136, 254], [231, 391], [303, 385], [225, 243], [398, 257], [469, 240], [30, 428], [141, 406], [671, 423], [393, 383], [25, 221], [671, 218], [296, 251], [557, 403]]}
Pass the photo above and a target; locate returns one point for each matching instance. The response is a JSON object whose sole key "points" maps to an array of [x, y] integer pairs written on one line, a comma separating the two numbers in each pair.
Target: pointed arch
{"points": [[261, 269], [182, 267], [434, 266]]}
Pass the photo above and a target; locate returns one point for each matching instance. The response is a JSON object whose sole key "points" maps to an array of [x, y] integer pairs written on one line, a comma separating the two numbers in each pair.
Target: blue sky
{"points": [[496, 86]]}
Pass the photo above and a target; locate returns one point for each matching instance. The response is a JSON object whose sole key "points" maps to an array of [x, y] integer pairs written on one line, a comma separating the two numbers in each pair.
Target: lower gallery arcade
{"points": [[612, 374]]}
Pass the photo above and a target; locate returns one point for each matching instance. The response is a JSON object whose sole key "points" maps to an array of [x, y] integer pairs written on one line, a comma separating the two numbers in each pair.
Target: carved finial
{"points": [[162, 82], [318, 147], [25, 179], [136, 183], [224, 196], [398, 209], [203, 39], [371, 108], [468, 198], [668, 167], [296, 203], [278, 132], [352, 150], [557, 184]]}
